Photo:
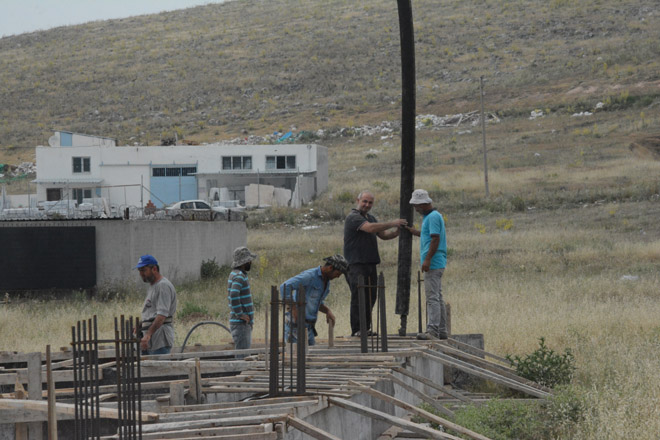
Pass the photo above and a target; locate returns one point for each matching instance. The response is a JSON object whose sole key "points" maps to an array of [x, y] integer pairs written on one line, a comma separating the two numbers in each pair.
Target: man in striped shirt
{"points": [[241, 308]]}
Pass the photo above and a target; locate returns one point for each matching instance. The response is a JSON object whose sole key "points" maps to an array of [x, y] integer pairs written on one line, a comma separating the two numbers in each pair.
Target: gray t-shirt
{"points": [[359, 246], [161, 300]]}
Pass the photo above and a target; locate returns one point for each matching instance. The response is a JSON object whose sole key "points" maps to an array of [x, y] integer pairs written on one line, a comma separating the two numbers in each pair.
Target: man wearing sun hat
{"points": [[157, 332], [241, 307], [316, 282], [433, 257]]}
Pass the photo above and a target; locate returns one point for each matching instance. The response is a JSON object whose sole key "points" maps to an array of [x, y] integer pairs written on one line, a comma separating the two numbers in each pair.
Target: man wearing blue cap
{"points": [[157, 335]]}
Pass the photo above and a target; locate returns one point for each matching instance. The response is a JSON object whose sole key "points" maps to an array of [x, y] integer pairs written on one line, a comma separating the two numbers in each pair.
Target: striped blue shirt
{"points": [[240, 298]]}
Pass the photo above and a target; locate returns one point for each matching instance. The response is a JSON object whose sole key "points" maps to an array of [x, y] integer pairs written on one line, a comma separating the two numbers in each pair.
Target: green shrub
{"points": [[518, 204], [210, 269], [504, 420], [189, 309], [555, 417], [544, 366]]}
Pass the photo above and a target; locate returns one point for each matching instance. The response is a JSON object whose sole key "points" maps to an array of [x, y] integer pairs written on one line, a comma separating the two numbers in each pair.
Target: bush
{"points": [[544, 366], [191, 310], [504, 420], [553, 418], [210, 269]]}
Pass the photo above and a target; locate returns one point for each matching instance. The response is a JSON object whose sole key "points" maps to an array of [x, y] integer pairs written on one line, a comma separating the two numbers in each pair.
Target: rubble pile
{"points": [[437, 122], [23, 169]]}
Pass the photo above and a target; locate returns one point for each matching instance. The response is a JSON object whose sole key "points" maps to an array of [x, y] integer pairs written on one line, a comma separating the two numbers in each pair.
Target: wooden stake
{"points": [[52, 415]]}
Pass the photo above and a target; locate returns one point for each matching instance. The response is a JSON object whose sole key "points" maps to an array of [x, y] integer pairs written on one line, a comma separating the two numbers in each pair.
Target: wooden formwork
{"points": [[207, 392]]}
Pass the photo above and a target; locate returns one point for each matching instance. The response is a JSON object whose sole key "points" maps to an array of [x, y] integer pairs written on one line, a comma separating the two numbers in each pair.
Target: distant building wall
{"points": [[117, 173], [180, 247]]}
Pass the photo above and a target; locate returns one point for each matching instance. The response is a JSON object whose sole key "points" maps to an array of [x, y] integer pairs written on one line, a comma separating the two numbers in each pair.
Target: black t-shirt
{"points": [[359, 246]]}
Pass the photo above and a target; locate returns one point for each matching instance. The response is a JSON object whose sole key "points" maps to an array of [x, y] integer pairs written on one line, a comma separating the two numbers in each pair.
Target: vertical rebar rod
{"points": [[419, 302], [120, 425], [382, 311], [483, 132], [135, 343], [302, 342], [76, 385], [85, 354], [285, 342], [125, 391], [130, 379], [97, 390], [274, 343], [362, 310]]}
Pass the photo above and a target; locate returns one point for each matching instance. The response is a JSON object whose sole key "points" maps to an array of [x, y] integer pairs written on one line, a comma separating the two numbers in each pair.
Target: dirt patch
{"points": [[647, 147]]}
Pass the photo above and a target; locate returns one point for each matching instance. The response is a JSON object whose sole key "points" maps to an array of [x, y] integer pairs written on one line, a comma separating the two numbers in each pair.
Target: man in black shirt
{"points": [[361, 251]]}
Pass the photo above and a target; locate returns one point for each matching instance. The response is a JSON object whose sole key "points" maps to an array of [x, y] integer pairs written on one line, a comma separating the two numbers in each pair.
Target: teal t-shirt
{"points": [[434, 224]]}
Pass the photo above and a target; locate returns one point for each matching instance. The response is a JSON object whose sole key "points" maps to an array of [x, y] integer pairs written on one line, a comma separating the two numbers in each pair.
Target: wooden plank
{"points": [[52, 414], [22, 374], [490, 366], [310, 429], [35, 429], [429, 383], [420, 412], [226, 430], [152, 368], [271, 408], [392, 420], [466, 347], [484, 374], [214, 423], [65, 409], [247, 405]]}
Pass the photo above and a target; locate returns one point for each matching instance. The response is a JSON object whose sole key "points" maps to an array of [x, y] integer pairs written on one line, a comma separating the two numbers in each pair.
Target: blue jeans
{"points": [[436, 314], [291, 332], [241, 333], [161, 350]]}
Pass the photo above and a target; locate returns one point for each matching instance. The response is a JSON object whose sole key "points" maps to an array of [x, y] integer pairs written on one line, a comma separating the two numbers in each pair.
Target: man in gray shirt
{"points": [[157, 335], [361, 231]]}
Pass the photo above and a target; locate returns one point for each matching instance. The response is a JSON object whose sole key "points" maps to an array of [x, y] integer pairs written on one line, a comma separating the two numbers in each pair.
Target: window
{"points": [[280, 162], [78, 194], [237, 162], [202, 205], [81, 165], [173, 171], [53, 194]]}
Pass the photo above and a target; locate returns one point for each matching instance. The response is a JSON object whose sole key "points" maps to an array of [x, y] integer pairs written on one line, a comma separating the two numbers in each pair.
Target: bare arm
{"points": [[329, 316], [413, 231], [379, 228], [144, 343], [433, 247]]}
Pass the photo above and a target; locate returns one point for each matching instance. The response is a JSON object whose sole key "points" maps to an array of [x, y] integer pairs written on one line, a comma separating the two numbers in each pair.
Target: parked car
{"points": [[196, 210]]}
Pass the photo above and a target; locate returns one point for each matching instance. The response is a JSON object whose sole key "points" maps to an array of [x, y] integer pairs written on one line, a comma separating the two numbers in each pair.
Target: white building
{"points": [[131, 176]]}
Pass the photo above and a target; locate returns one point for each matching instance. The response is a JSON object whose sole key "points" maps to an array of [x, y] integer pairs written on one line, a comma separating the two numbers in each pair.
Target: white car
{"points": [[196, 210]]}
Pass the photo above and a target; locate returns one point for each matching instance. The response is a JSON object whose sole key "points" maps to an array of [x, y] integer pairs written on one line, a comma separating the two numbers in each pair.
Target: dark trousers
{"points": [[368, 272]]}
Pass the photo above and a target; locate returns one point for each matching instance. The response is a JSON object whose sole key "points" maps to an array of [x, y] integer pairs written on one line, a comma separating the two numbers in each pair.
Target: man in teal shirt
{"points": [[433, 256]]}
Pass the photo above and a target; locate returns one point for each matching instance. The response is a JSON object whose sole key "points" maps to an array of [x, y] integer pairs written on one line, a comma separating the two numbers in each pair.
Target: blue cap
{"points": [[146, 260]]}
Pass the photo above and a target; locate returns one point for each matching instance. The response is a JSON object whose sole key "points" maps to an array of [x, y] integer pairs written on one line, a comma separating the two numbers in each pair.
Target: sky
{"points": [[20, 16]]}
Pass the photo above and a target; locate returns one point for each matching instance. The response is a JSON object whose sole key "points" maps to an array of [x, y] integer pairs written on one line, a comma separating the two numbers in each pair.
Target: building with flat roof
{"points": [[131, 176]]}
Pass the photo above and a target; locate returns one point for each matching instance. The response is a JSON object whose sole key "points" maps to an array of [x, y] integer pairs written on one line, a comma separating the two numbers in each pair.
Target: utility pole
{"points": [[483, 131], [406, 32]]}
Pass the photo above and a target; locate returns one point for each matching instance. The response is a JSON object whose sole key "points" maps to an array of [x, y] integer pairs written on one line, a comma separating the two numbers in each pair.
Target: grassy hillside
{"points": [[211, 72], [567, 245]]}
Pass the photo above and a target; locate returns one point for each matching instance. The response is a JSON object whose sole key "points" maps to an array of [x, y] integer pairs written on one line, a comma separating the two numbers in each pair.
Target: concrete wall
{"points": [[179, 246]]}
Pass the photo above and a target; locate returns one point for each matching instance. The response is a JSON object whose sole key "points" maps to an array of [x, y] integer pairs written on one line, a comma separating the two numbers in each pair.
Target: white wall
{"points": [[127, 165]]}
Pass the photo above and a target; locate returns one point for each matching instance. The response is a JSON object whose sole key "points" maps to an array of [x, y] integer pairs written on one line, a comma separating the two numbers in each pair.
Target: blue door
{"points": [[172, 183]]}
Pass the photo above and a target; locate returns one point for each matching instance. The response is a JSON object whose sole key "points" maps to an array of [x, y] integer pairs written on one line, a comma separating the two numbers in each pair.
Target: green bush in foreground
{"points": [[544, 366], [553, 418]]}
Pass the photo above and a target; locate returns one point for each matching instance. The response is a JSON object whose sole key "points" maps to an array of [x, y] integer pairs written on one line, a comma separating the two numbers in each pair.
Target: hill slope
{"points": [[213, 71]]}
